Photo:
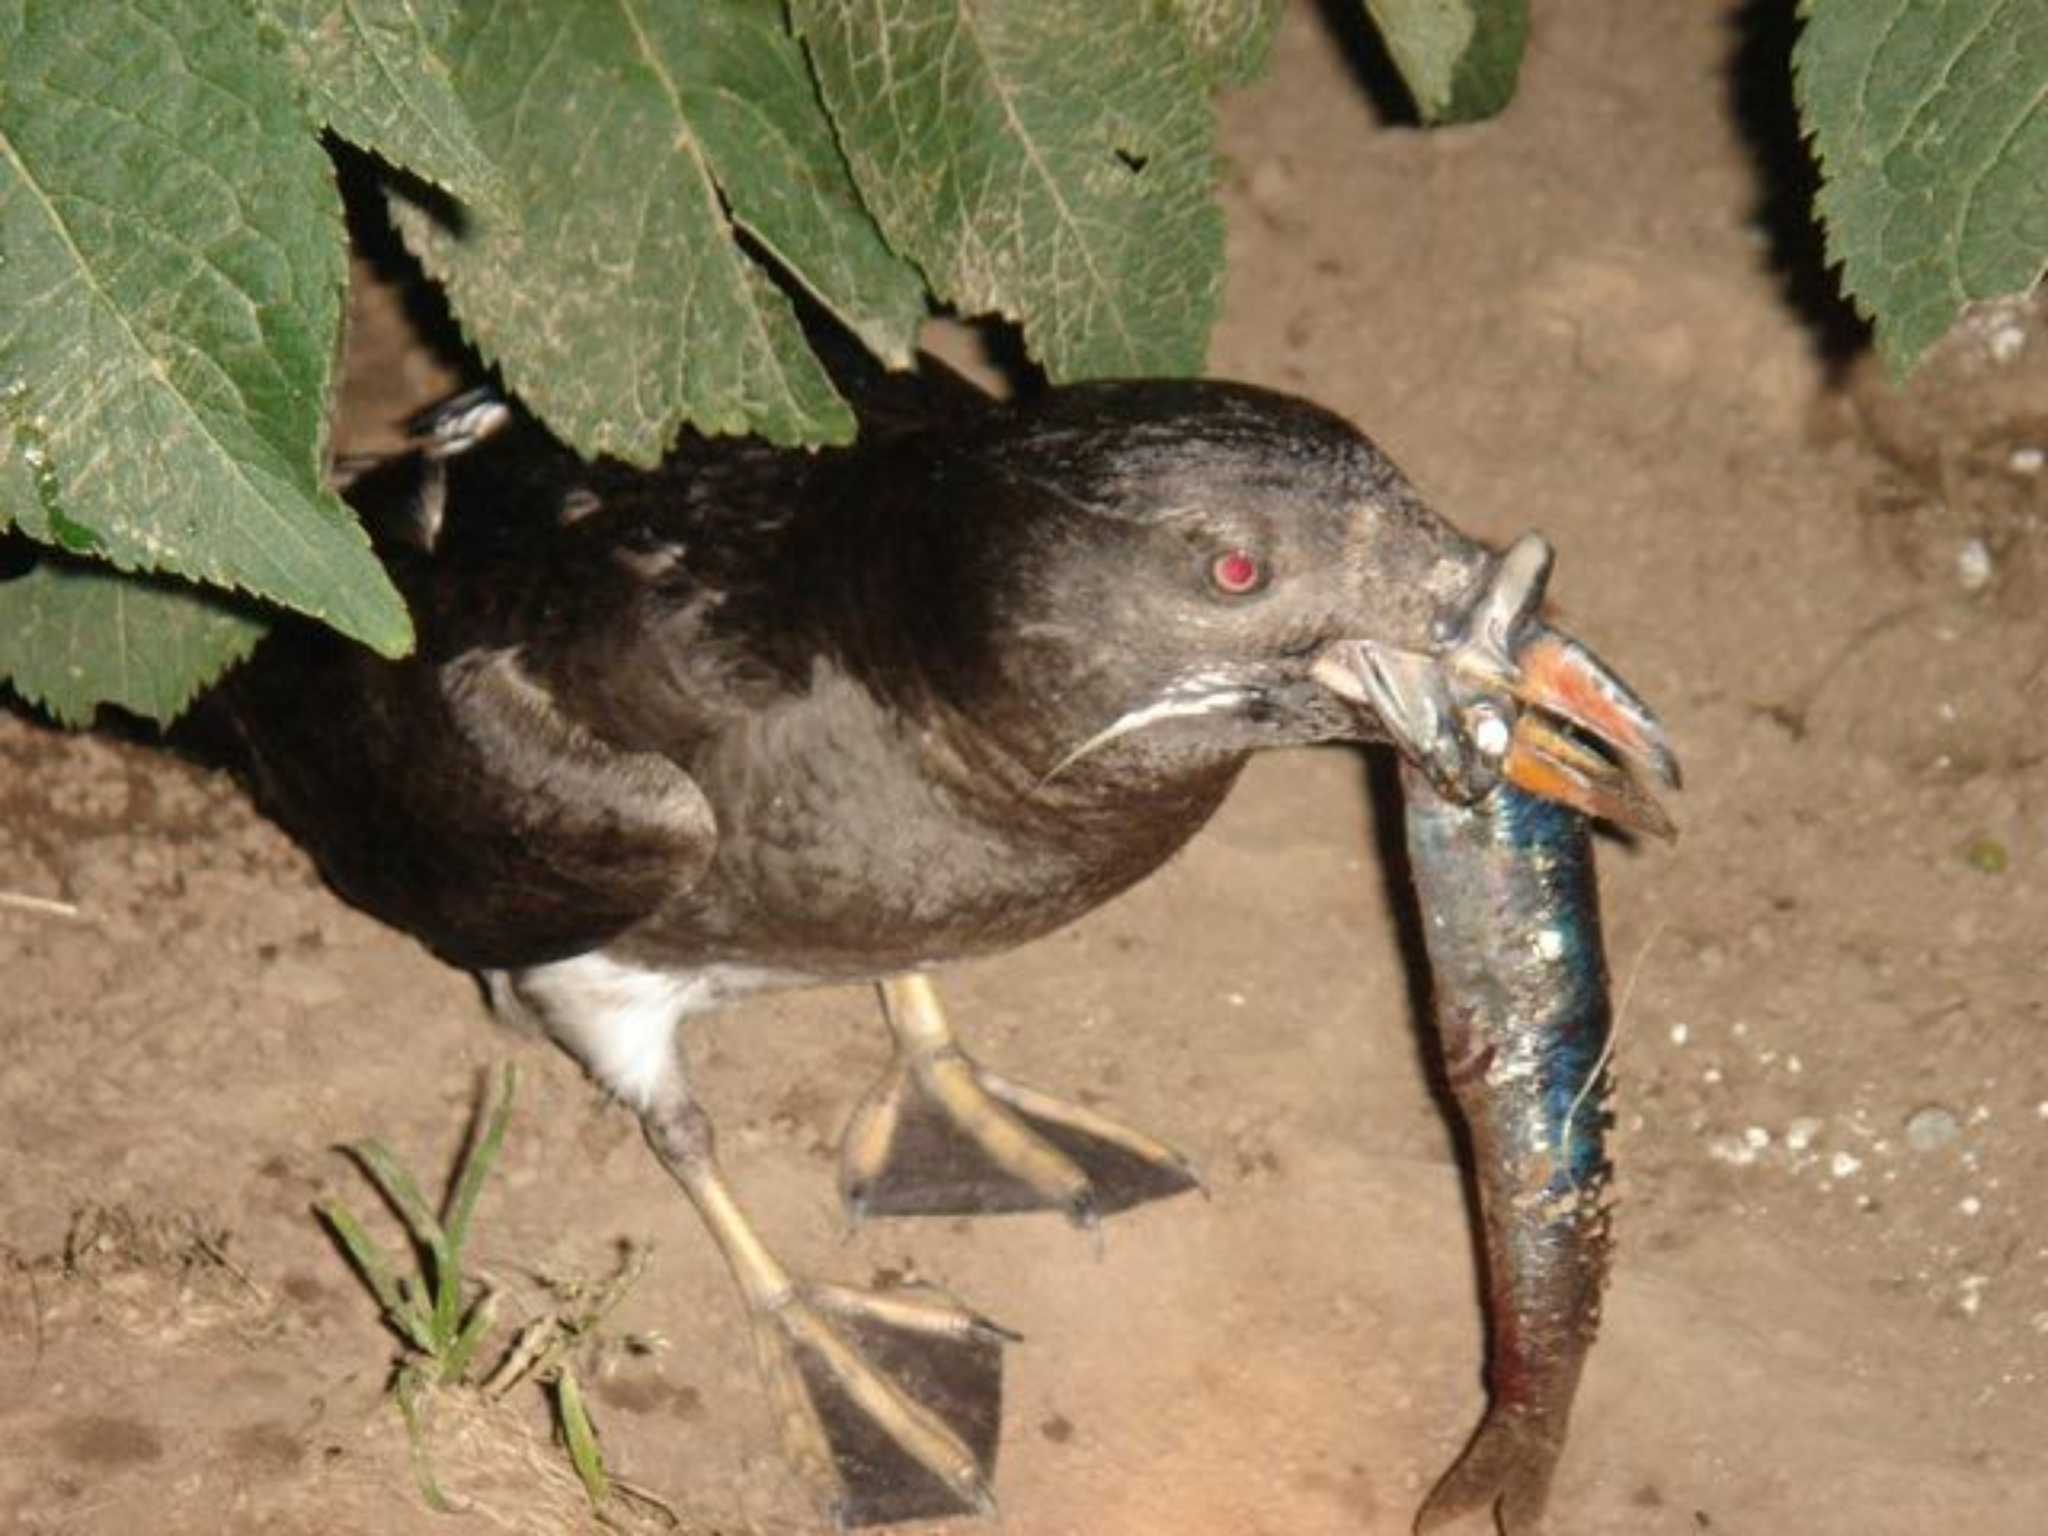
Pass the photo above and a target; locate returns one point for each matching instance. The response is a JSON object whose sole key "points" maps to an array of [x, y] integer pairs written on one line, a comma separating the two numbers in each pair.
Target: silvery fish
{"points": [[1536, 740]]}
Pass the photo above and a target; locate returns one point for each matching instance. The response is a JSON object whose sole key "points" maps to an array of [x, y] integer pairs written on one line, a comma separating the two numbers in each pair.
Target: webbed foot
{"points": [[940, 1135], [890, 1401]]}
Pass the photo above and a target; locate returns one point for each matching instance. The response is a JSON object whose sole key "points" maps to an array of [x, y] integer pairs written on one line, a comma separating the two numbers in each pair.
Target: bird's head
{"points": [[1174, 574]]}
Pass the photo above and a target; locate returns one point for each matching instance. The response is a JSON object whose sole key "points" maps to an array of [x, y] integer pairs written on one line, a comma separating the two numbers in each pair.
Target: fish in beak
{"points": [[1502, 695]]}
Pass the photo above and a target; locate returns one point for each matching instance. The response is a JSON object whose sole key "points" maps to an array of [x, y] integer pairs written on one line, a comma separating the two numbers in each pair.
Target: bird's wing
{"points": [[632, 822]]}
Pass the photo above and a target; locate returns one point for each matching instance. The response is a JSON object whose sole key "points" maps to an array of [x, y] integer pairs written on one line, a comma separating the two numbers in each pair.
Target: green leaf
{"points": [[400, 1310], [412, 1388], [1229, 39], [75, 634], [1459, 58], [478, 1161], [1930, 118], [468, 1339], [1050, 162], [756, 111], [616, 300], [375, 79], [170, 305], [580, 1436]]}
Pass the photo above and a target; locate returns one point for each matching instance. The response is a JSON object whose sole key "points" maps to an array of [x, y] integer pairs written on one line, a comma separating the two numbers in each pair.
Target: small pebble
{"points": [[1972, 1287], [1931, 1127], [1843, 1164], [1801, 1133], [1970, 1205], [1681, 1033], [1973, 565], [2027, 461], [1732, 1150]]}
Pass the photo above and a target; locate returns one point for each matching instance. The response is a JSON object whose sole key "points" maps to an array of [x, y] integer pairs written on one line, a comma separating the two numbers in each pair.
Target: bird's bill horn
{"points": [[1508, 697], [1583, 739]]}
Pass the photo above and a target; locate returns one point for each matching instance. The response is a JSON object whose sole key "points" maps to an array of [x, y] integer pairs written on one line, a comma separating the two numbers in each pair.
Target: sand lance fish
{"points": [[1503, 874]]}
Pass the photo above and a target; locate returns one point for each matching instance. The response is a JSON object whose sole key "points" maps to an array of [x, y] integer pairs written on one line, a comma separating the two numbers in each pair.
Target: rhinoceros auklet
{"points": [[763, 718]]}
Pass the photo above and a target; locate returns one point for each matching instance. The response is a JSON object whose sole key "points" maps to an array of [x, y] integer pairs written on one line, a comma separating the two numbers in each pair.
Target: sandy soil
{"points": [[1830, 1309]]}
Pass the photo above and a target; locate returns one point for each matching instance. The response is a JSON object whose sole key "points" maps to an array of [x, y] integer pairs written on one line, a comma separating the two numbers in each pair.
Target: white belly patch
{"points": [[620, 1020]]}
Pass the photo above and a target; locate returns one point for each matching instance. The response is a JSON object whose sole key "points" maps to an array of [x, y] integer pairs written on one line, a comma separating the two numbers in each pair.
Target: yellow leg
{"points": [[800, 1348], [940, 1135], [890, 1402]]}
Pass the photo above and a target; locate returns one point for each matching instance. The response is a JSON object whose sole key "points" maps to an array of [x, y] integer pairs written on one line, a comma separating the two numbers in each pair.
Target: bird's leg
{"points": [[939, 1135], [889, 1402]]}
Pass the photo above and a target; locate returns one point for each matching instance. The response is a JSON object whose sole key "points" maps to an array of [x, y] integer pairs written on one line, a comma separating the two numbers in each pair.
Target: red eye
{"points": [[1235, 572]]}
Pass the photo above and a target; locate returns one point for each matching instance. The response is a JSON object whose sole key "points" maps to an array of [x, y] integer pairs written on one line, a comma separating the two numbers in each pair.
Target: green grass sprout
{"points": [[437, 1314]]}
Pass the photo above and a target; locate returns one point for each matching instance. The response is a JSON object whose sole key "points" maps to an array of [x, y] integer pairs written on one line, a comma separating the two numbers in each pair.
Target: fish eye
{"points": [[1236, 572]]}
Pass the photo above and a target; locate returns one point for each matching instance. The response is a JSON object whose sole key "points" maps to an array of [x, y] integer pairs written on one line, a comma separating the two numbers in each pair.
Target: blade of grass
{"points": [[581, 1438], [455, 1363], [396, 1184], [477, 1164], [408, 1389], [475, 1167], [403, 1312]]}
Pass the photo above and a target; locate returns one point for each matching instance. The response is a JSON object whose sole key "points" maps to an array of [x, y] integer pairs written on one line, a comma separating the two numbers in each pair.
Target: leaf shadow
{"points": [[1766, 113]]}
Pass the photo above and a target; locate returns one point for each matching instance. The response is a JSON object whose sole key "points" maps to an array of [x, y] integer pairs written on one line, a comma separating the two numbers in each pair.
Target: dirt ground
{"points": [[1829, 1313]]}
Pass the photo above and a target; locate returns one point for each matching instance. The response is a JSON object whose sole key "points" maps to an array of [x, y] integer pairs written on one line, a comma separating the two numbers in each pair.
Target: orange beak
{"points": [[1583, 738], [1579, 736]]}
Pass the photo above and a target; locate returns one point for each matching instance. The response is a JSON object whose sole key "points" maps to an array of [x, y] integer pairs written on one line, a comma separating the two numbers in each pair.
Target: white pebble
{"points": [[1757, 1137], [1970, 1205], [1794, 1064], [1973, 565], [1843, 1164], [1711, 1076], [1732, 1150], [1800, 1134], [1972, 1287], [2027, 461], [1680, 1033], [1931, 1126], [1549, 943]]}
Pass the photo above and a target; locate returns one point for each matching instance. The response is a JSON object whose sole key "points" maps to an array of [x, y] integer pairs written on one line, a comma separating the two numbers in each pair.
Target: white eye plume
{"points": [[1198, 693]]}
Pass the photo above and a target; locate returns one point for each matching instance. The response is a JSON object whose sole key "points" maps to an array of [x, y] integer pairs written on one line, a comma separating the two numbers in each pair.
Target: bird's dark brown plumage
{"points": [[867, 660], [763, 718]]}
